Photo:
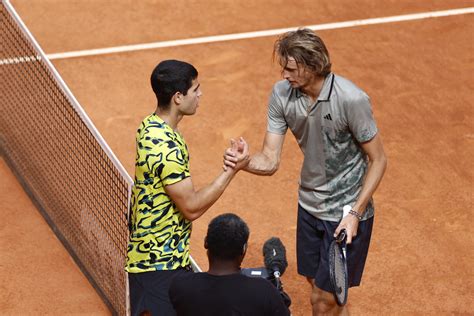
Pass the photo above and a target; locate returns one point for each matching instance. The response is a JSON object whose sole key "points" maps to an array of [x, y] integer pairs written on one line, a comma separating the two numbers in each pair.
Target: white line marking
{"points": [[238, 36]]}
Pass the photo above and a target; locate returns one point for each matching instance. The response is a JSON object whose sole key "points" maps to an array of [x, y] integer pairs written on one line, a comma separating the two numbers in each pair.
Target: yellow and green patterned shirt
{"points": [[159, 233]]}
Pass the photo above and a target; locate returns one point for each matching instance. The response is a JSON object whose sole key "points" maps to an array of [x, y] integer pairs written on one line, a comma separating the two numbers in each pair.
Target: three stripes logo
{"points": [[328, 117]]}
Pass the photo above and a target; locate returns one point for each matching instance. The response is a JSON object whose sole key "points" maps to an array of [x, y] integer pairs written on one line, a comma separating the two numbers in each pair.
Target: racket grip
{"points": [[345, 210]]}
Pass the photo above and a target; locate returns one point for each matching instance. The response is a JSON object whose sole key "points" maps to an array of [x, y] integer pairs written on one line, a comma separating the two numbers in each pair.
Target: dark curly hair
{"points": [[227, 235]]}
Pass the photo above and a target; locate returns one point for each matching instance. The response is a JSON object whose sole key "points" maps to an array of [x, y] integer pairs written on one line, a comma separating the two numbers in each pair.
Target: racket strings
{"points": [[338, 272]]}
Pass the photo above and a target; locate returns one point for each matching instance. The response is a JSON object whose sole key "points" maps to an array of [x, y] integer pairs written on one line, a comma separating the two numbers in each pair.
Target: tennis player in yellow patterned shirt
{"points": [[164, 200]]}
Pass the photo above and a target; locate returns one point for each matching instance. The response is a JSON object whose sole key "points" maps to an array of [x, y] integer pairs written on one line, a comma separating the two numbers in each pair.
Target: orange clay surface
{"points": [[419, 77]]}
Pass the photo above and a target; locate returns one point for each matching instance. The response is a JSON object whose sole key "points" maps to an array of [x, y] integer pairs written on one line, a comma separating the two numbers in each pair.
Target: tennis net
{"points": [[62, 161]]}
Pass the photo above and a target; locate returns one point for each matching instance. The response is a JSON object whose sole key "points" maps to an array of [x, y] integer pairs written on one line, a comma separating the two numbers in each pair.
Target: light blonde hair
{"points": [[306, 48]]}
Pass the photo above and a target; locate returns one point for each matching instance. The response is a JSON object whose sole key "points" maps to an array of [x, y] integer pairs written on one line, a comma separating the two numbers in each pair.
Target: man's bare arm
{"points": [[194, 203], [265, 162], [375, 172]]}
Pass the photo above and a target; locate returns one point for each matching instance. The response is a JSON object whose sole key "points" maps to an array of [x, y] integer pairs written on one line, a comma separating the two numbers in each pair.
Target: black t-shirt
{"points": [[228, 295]]}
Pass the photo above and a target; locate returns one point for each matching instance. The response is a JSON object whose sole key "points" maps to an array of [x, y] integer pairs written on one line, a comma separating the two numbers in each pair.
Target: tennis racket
{"points": [[338, 268], [338, 265]]}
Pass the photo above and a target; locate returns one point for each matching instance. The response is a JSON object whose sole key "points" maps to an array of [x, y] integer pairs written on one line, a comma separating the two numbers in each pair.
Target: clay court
{"points": [[419, 74]]}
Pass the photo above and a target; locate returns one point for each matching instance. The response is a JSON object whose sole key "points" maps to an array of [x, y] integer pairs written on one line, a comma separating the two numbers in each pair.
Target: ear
{"points": [[177, 97], [205, 243], [244, 249]]}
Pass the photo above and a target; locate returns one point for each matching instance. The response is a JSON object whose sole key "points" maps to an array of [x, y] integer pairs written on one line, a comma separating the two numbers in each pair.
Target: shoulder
{"points": [[153, 129], [348, 90], [266, 292], [282, 89]]}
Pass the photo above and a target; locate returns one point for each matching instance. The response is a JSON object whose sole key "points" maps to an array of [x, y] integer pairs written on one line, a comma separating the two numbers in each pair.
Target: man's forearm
{"points": [[204, 198], [261, 164], [374, 175], [194, 203], [211, 193]]}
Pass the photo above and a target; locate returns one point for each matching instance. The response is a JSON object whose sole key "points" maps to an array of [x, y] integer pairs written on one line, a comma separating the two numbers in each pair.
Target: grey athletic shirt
{"points": [[329, 133]]}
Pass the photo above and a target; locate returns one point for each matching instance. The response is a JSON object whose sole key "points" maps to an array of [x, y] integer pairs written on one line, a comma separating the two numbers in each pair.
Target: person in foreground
{"points": [[344, 161], [223, 290], [164, 201]]}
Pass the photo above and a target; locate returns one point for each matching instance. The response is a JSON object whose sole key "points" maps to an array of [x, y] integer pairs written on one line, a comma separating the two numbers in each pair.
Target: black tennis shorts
{"points": [[149, 292], [313, 237]]}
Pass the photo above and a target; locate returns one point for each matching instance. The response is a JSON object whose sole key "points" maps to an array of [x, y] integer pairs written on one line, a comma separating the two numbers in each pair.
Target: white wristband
{"points": [[347, 209]]}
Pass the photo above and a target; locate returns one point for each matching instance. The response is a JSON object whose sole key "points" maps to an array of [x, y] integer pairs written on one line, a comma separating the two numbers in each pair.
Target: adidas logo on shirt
{"points": [[328, 117]]}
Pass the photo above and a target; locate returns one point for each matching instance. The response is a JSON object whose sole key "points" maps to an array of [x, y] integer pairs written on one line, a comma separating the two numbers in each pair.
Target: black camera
{"points": [[274, 257]]}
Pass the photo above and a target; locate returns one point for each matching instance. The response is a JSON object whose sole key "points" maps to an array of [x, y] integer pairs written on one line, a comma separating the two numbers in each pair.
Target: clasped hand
{"points": [[237, 155]]}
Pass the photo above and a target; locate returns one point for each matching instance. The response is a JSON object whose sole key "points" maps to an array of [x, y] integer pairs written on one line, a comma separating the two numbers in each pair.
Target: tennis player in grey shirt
{"points": [[344, 161]]}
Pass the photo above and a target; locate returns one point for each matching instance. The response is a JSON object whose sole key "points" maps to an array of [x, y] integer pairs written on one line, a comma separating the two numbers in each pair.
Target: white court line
{"points": [[238, 36]]}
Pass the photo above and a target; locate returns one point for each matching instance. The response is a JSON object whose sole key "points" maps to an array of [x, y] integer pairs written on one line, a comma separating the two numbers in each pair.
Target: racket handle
{"points": [[342, 235], [345, 210]]}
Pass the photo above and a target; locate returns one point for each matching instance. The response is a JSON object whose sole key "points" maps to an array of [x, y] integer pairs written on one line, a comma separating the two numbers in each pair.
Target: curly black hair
{"points": [[226, 236]]}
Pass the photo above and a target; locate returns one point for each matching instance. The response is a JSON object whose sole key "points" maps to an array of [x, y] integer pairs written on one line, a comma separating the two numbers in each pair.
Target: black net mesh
{"points": [[61, 163]]}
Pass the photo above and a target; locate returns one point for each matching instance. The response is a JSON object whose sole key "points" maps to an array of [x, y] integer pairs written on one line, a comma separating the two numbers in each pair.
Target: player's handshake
{"points": [[237, 155]]}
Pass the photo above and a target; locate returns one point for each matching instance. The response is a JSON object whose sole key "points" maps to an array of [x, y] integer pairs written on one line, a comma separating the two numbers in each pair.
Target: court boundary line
{"points": [[257, 34]]}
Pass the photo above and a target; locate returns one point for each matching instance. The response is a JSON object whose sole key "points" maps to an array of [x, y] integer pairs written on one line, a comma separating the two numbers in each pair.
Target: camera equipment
{"points": [[274, 258]]}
